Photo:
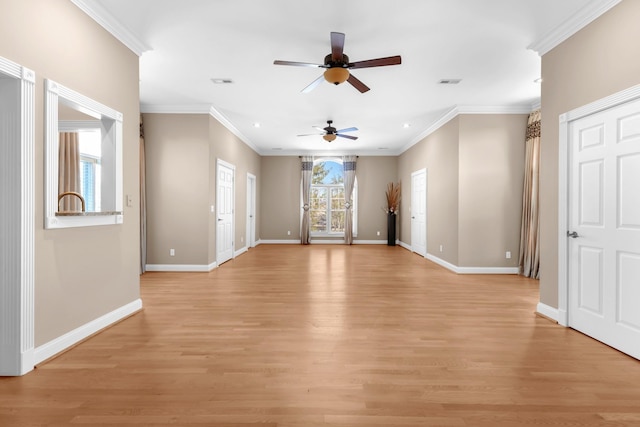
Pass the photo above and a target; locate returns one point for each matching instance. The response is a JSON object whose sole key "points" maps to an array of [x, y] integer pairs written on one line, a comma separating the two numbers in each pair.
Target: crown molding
{"points": [[468, 109], [492, 109], [572, 25], [199, 109], [231, 128], [109, 23]]}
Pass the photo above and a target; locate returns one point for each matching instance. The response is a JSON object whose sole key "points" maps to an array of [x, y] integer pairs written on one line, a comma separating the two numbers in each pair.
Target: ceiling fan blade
{"points": [[311, 134], [313, 84], [297, 64], [347, 130], [319, 128], [347, 136], [379, 62], [337, 46], [357, 84]]}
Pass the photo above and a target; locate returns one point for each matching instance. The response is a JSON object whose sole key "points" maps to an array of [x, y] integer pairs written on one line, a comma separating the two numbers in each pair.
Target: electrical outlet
{"points": [[507, 255], [289, 233], [241, 239], [213, 209], [378, 233], [440, 248], [172, 252]]}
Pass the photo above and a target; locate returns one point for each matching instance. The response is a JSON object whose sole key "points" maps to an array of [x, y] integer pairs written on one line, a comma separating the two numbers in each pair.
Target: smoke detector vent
{"points": [[449, 81]]}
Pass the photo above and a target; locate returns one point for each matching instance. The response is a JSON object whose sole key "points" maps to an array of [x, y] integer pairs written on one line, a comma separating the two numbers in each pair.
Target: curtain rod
{"points": [[329, 156]]}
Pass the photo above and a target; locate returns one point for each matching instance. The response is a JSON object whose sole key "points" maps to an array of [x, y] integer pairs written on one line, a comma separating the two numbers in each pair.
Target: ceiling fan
{"points": [[338, 65], [330, 133]]}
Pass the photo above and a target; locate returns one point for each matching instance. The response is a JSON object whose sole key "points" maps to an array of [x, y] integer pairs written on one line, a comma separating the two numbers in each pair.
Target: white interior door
{"points": [[225, 201], [604, 226], [251, 211], [419, 212]]}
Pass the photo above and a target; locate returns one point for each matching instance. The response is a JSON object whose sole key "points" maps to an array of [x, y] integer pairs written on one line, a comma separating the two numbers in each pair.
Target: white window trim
{"points": [[354, 207]]}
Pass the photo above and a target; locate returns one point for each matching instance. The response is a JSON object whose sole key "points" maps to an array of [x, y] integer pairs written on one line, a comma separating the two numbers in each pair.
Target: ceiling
{"points": [[493, 46]]}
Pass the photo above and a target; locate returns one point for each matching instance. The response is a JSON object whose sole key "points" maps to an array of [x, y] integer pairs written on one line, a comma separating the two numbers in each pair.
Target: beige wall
{"points": [[475, 167], [373, 174], [599, 60], [182, 151], [280, 198], [226, 146], [81, 273], [491, 175], [177, 177], [438, 153], [280, 207]]}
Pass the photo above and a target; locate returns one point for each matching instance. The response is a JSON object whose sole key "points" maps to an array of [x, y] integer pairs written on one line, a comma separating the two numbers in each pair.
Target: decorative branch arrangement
{"points": [[393, 198]]}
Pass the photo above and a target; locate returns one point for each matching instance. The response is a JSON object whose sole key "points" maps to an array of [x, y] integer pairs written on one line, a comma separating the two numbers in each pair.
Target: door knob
{"points": [[573, 234]]}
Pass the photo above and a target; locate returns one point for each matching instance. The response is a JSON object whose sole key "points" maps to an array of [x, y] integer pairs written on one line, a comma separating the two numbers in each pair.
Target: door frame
{"points": [[17, 287], [565, 119], [251, 203], [228, 165], [426, 206]]}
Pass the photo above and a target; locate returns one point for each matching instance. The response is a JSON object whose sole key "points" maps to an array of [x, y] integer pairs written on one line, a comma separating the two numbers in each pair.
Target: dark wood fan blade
{"points": [[347, 136], [347, 130], [313, 84], [379, 62], [337, 46], [357, 84], [298, 64]]}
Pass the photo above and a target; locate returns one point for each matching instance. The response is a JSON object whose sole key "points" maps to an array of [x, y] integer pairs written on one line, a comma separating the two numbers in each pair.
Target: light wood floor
{"points": [[331, 336]]}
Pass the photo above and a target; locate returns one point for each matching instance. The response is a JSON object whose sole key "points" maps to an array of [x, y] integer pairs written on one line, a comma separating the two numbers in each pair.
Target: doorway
{"points": [[17, 245], [225, 195], [251, 211], [419, 212], [599, 289]]}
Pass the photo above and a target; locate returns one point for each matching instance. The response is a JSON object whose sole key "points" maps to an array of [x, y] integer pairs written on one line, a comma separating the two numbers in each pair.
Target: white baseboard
{"points": [[547, 311], [472, 270], [69, 339], [441, 262], [182, 267], [321, 242], [403, 244], [369, 242], [240, 251]]}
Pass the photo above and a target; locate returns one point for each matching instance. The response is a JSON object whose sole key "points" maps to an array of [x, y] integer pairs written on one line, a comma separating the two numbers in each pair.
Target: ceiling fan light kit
{"points": [[336, 75], [329, 137]]}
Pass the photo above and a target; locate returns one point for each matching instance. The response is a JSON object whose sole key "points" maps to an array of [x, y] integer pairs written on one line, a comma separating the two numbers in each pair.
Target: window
{"points": [[90, 169], [327, 202]]}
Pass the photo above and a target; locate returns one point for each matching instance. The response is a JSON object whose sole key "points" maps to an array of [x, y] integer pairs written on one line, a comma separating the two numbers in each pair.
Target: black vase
{"points": [[391, 229]]}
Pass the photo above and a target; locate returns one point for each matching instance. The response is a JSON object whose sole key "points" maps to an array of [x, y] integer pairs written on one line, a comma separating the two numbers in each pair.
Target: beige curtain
{"points": [[69, 170], [529, 264], [349, 167], [143, 203], [307, 172]]}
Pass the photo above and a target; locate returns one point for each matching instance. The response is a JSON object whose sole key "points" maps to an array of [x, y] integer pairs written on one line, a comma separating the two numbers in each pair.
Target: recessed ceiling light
{"points": [[222, 81], [256, 125], [449, 81], [406, 125], [382, 148]]}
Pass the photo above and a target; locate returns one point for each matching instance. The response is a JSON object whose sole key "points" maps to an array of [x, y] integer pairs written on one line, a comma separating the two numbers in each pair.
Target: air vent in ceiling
{"points": [[222, 81], [449, 81]]}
